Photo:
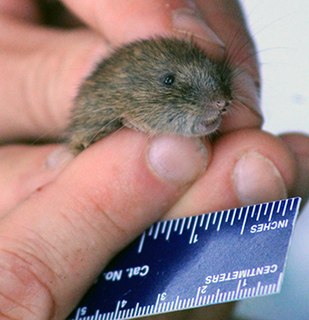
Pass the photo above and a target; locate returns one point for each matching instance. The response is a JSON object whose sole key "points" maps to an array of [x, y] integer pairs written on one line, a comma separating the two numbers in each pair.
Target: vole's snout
{"points": [[222, 105]]}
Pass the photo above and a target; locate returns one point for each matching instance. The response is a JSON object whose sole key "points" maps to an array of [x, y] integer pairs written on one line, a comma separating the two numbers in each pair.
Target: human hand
{"points": [[62, 223]]}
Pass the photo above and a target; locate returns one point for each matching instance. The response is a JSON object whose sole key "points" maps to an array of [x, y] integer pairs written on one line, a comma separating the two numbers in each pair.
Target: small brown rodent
{"points": [[155, 86]]}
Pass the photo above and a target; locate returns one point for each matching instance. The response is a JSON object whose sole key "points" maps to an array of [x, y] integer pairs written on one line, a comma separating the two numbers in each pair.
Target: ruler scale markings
{"points": [[77, 314], [224, 296], [185, 303], [237, 290], [244, 223], [97, 315], [162, 309], [275, 207], [169, 230], [217, 295], [193, 230], [265, 289], [176, 302], [179, 304], [233, 217], [164, 226], [144, 310], [150, 244], [253, 212], [234, 295], [157, 302], [290, 204], [266, 209], [152, 309], [240, 213], [176, 224], [161, 306], [202, 219], [214, 217], [157, 230], [139, 311], [227, 215], [140, 247], [241, 291], [150, 231], [259, 212], [189, 222], [292, 207], [192, 302], [271, 213], [258, 288], [284, 209], [136, 309], [279, 207], [197, 295], [182, 225], [228, 298], [253, 291], [220, 297], [245, 293], [117, 309], [207, 222], [220, 220], [167, 306]]}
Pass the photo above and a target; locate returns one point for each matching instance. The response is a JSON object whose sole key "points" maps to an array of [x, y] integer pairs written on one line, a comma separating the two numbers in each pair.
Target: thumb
{"points": [[55, 243]]}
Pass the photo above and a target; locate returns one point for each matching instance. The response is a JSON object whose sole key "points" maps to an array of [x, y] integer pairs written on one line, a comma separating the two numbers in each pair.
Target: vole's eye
{"points": [[168, 79]]}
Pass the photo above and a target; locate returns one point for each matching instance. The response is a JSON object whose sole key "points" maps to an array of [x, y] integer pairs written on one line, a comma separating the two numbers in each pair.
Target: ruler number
{"points": [[203, 289]]}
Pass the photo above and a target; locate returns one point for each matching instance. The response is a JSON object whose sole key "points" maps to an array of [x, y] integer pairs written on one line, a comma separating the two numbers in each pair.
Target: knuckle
{"points": [[22, 293]]}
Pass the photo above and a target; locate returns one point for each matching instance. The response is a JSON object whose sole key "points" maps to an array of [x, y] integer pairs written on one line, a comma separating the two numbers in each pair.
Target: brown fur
{"points": [[129, 89]]}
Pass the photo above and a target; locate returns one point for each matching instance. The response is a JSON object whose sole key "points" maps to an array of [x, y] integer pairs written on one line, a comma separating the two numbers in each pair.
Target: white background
{"points": [[281, 31]]}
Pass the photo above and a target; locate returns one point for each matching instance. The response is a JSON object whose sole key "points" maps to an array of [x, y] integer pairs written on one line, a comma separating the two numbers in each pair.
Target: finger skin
{"points": [[55, 243], [21, 9], [46, 78], [299, 145], [23, 170], [217, 182]]}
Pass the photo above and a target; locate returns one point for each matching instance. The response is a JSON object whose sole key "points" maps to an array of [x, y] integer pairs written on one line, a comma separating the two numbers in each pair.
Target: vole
{"points": [[163, 85]]}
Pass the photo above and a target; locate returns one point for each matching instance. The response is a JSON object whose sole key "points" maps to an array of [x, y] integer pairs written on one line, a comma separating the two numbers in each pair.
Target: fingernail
{"points": [[186, 21], [58, 158], [256, 179], [177, 159], [247, 91]]}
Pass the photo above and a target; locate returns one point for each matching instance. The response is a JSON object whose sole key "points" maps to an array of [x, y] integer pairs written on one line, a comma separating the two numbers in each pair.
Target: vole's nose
{"points": [[222, 105]]}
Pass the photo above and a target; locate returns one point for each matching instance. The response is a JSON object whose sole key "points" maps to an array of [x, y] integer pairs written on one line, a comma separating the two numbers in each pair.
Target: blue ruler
{"points": [[196, 261]]}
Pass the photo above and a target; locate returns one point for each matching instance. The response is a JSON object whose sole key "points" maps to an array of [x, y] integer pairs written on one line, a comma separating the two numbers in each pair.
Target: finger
{"points": [[226, 18], [125, 21], [40, 75], [299, 144], [20, 9], [25, 169], [56, 242], [248, 166]]}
